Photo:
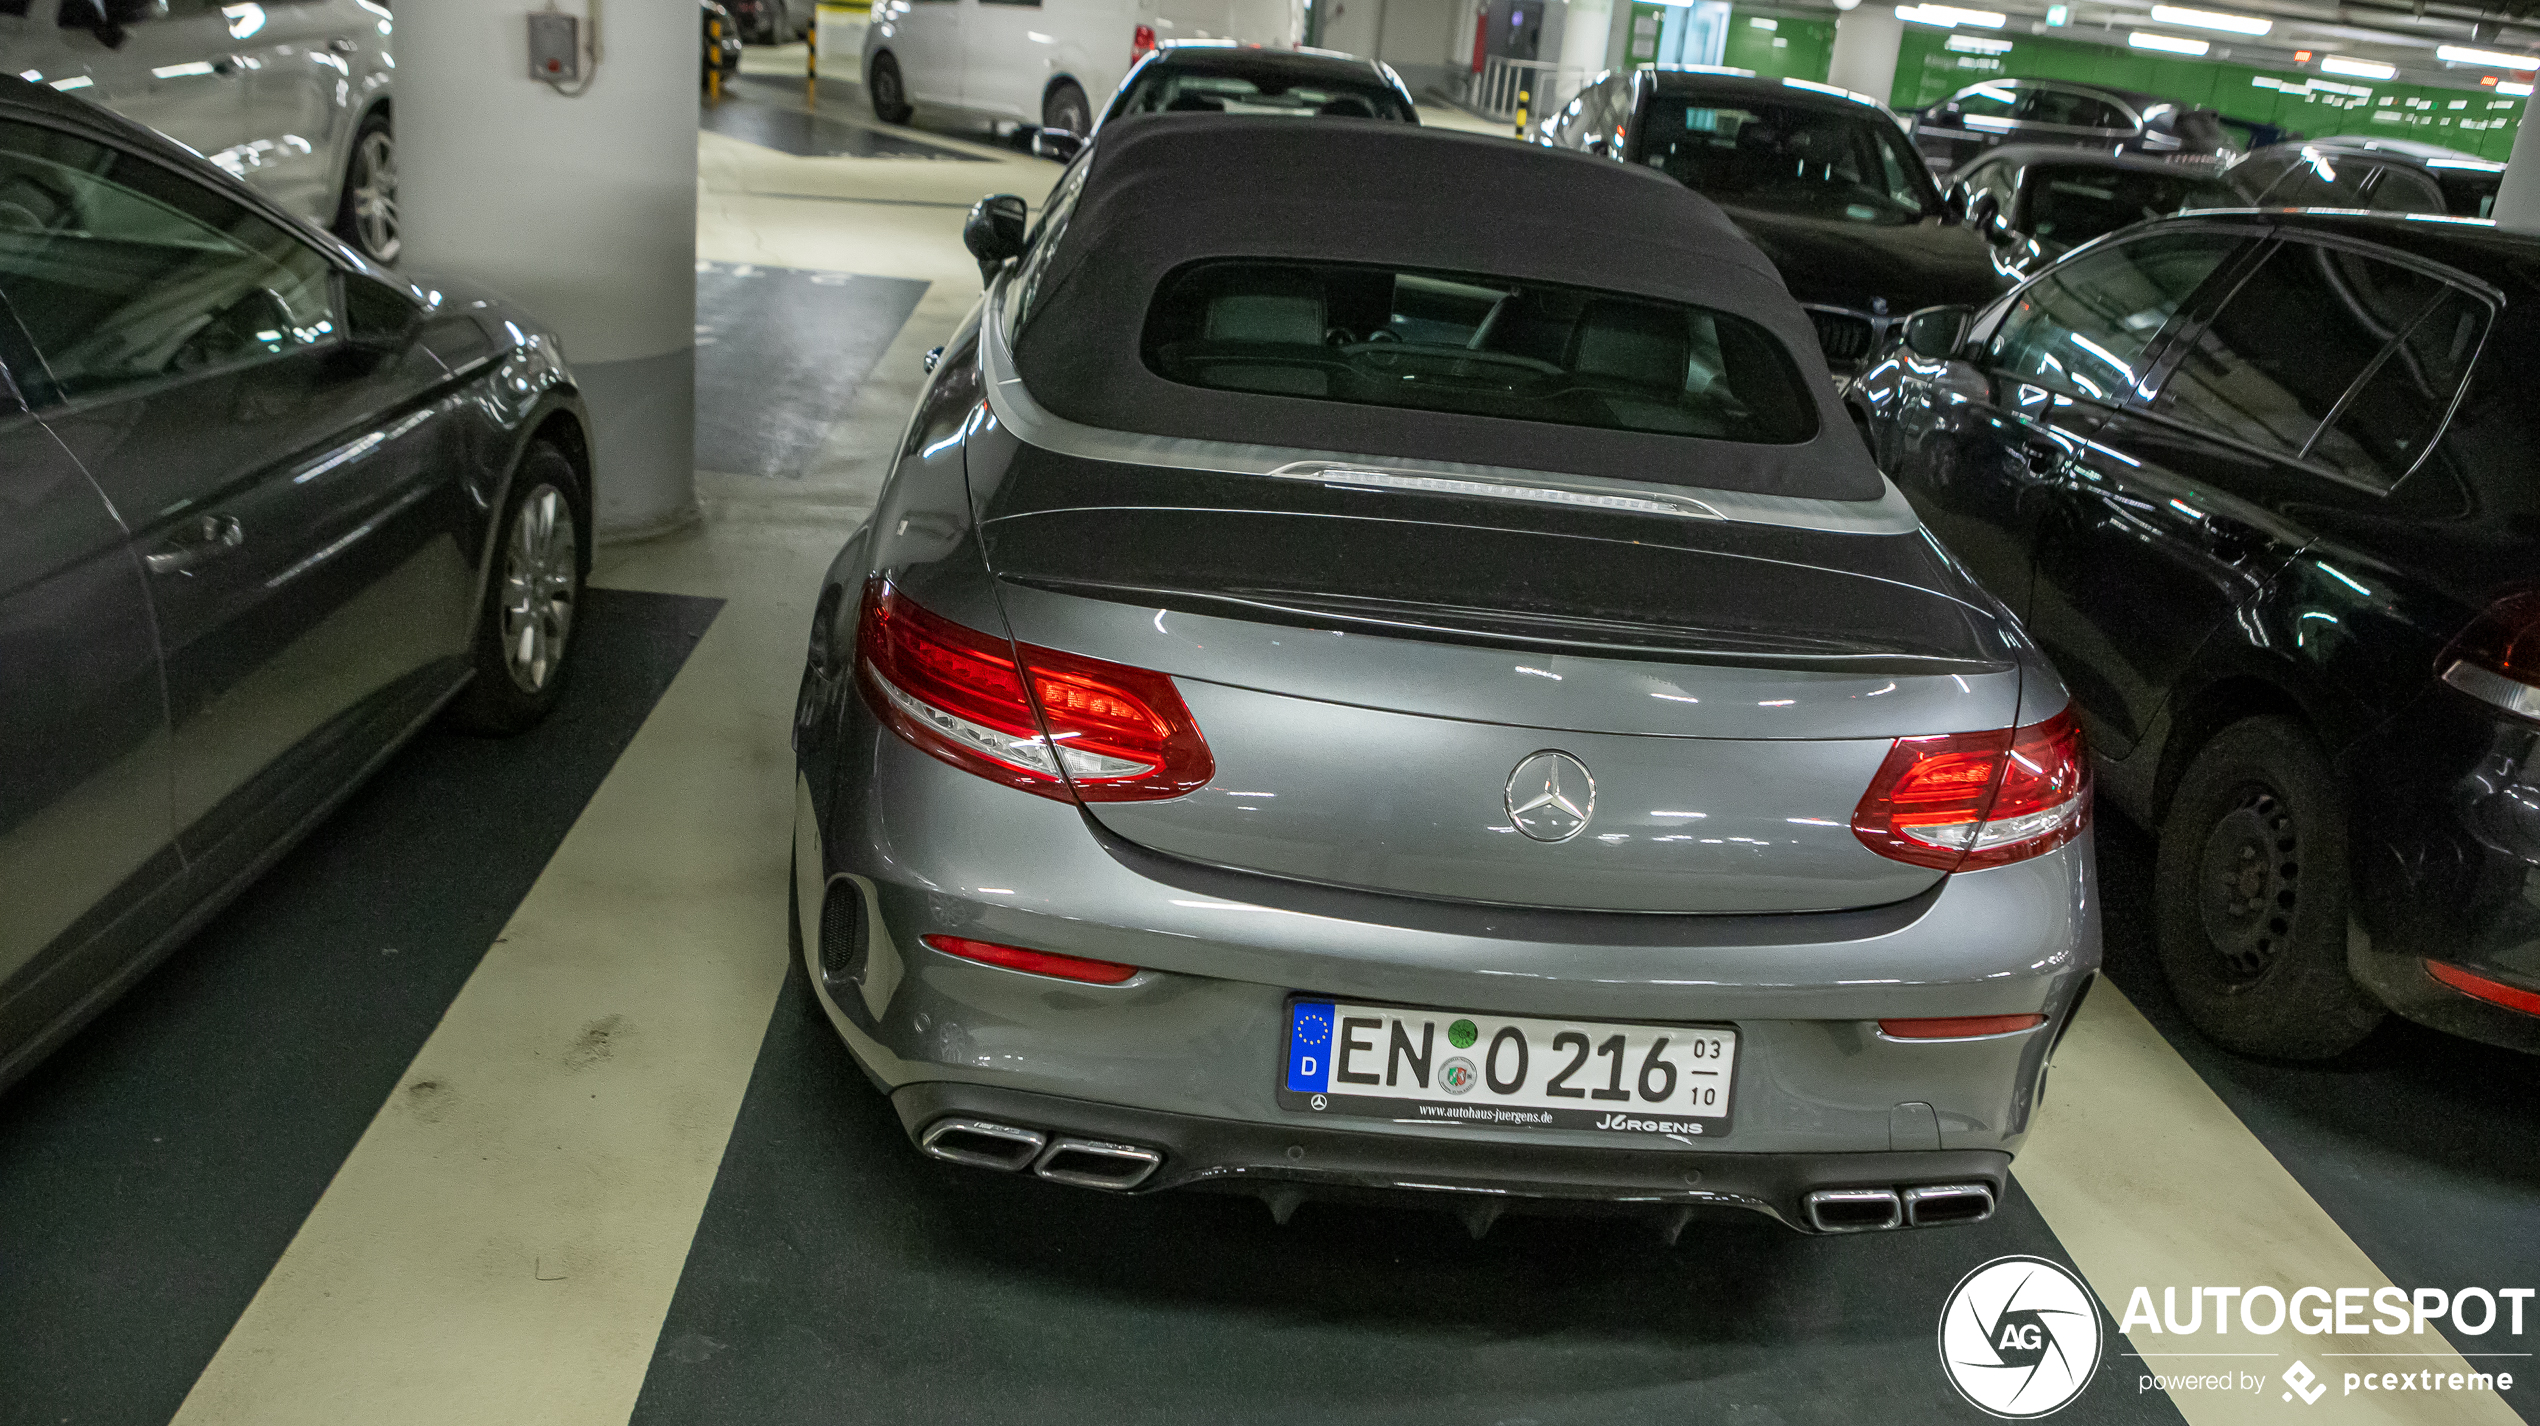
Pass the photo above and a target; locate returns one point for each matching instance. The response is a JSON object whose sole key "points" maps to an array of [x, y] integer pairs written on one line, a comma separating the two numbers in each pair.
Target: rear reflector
{"points": [[1037, 962], [2479, 987], [1111, 732], [1961, 801], [1959, 1027], [2497, 659]]}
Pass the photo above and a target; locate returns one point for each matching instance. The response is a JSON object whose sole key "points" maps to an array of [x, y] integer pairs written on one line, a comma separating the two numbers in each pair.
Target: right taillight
{"points": [[1960, 801], [1109, 732], [2497, 661], [1141, 40]]}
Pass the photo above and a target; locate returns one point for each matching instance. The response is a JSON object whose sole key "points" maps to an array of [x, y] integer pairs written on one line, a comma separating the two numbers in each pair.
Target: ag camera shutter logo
{"points": [[2019, 1338]]}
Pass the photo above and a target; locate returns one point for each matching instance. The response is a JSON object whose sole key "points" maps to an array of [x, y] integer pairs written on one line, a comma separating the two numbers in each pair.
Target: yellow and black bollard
{"points": [[811, 65], [714, 59], [1525, 103]]}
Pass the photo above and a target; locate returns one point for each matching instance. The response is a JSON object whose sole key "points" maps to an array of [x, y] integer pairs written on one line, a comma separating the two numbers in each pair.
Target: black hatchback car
{"points": [[2261, 485], [1820, 178], [265, 508]]}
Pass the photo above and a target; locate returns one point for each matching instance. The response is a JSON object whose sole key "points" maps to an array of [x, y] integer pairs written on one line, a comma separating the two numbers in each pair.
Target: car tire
{"points": [[2251, 886], [366, 214], [533, 597], [890, 96], [1065, 108]]}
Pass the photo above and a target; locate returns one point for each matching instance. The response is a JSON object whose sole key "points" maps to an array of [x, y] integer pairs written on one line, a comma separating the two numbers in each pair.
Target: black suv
{"points": [[1819, 178], [2261, 485]]}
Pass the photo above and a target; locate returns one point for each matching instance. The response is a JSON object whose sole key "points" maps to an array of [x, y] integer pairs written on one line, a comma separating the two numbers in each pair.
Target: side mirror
{"points": [[994, 232], [1060, 144], [92, 16], [379, 318], [1935, 332], [1984, 211]]}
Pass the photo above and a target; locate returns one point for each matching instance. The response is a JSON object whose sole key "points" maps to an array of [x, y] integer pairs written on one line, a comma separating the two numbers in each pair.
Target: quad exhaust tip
{"points": [[1009, 1148], [981, 1144], [1091, 1163], [1873, 1210]]}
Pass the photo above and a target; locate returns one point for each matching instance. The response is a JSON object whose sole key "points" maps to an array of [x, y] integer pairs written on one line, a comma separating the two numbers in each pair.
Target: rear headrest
{"points": [[1347, 106], [1635, 341], [1283, 307]]}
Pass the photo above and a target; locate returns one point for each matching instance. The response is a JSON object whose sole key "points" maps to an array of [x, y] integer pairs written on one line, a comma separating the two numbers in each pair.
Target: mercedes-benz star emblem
{"points": [[1551, 796]]}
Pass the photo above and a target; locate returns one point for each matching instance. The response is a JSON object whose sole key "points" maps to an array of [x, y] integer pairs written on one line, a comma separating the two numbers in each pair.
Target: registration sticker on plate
{"points": [[1500, 1071]]}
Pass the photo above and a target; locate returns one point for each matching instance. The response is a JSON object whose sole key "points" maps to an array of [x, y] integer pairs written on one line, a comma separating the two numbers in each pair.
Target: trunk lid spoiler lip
{"points": [[1433, 624], [1014, 407]]}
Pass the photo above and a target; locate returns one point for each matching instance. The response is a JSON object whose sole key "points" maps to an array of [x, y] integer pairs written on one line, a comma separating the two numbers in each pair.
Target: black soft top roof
{"points": [[1162, 191], [1290, 66]]}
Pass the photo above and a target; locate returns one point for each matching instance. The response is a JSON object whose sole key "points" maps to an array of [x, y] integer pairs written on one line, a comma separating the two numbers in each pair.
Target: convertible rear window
{"points": [[1475, 345]]}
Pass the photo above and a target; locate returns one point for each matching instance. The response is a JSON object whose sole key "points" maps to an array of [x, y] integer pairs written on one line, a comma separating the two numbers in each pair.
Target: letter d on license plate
{"points": [[1507, 1072]]}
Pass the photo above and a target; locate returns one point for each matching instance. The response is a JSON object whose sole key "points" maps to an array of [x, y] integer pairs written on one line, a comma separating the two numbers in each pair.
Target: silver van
{"points": [[290, 95]]}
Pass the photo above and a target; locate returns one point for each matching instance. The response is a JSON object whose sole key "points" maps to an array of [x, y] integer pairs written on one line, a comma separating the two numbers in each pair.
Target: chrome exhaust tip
{"points": [[1941, 1203], [981, 1144], [1854, 1210], [1091, 1163]]}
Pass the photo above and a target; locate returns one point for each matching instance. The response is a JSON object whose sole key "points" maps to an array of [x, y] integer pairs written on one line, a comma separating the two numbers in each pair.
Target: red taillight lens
{"points": [[1959, 1027], [1960, 801], [1115, 733], [1141, 40], [1049, 963], [2498, 660], [2494, 992]]}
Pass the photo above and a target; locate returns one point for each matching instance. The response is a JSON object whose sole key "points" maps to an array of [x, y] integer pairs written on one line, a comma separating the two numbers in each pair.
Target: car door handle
{"points": [[341, 45], [210, 536], [226, 64], [2043, 457]]}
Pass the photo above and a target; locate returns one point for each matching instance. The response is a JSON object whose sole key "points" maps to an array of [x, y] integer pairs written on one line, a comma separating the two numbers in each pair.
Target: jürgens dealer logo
{"points": [[2019, 1337]]}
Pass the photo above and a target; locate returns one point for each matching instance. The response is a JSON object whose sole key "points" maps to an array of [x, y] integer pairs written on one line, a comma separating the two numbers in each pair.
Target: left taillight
{"points": [[1963, 801], [1029, 717]]}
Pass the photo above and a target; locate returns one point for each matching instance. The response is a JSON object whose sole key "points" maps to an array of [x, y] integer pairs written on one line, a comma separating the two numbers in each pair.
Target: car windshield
{"points": [[2069, 206], [1475, 345], [1792, 158], [1166, 89]]}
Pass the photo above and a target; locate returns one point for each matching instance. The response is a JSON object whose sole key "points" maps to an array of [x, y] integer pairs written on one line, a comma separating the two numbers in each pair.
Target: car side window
{"points": [[2404, 190], [2289, 341], [2063, 106], [2395, 412], [2086, 326], [124, 273]]}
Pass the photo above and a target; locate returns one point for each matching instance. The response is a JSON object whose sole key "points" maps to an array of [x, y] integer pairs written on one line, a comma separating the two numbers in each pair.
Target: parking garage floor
{"points": [[497, 1102]]}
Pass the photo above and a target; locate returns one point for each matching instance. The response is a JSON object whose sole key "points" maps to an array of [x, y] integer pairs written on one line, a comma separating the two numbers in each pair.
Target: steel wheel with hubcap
{"points": [[890, 97], [367, 218], [2250, 892], [525, 630]]}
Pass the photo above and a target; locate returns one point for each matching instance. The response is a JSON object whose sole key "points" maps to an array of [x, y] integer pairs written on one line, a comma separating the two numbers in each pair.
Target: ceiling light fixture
{"points": [[1949, 17], [2357, 68], [2170, 44], [2211, 20], [2489, 59], [2519, 91]]}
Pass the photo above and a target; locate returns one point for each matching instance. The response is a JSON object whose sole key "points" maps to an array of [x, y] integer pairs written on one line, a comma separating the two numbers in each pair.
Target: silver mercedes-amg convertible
{"points": [[1382, 665]]}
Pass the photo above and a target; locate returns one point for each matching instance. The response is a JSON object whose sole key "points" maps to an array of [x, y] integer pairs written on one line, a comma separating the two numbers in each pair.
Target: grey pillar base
{"points": [[644, 437]]}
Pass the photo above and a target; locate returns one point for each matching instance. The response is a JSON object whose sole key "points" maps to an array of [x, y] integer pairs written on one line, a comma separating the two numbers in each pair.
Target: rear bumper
{"points": [[1287, 1163]]}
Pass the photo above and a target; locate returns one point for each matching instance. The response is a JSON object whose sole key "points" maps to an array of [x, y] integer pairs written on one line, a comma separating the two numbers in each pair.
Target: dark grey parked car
{"points": [[267, 509], [2035, 203], [2387, 175], [2089, 116], [1444, 706]]}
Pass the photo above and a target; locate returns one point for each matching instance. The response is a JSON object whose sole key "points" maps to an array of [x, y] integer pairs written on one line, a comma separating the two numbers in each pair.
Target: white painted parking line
{"points": [[2151, 1182]]}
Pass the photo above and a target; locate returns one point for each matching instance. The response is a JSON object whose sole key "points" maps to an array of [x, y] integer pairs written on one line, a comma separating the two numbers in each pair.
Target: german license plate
{"points": [[1505, 1072]]}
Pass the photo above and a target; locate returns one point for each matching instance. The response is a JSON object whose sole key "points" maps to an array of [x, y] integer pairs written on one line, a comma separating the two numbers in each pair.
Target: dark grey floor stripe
{"points": [[153, 1171], [2424, 1148], [839, 1277], [768, 111], [780, 351]]}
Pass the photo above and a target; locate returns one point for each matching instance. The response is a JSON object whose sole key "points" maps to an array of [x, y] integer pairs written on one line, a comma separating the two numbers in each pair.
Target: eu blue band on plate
{"points": [[1310, 1047]]}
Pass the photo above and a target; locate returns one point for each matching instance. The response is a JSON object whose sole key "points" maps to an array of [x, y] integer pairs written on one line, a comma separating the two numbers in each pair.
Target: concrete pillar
{"points": [[583, 209], [2518, 200], [1866, 39], [1585, 32]]}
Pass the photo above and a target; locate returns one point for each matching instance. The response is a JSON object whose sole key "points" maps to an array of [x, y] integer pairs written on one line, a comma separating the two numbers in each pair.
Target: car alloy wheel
{"points": [[1066, 109], [375, 194], [539, 567], [2248, 883]]}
